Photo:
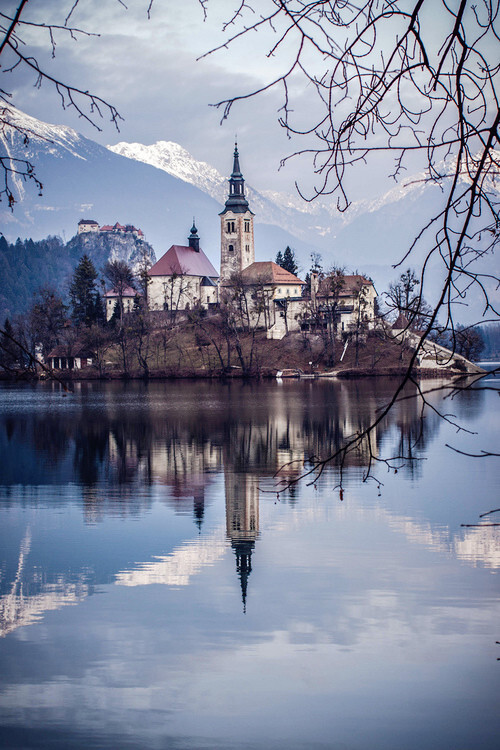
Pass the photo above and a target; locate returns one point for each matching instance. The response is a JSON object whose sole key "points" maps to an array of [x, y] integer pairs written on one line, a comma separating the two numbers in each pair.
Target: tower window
{"points": [[247, 225], [230, 227], [247, 248], [231, 248]]}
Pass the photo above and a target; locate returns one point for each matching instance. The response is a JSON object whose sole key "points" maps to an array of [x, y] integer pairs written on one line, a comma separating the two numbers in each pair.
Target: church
{"points": [[272, 297], [183, 278]]}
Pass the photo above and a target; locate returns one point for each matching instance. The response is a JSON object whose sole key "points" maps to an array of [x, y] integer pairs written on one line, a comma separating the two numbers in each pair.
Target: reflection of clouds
{"points": [[18, 608], [177, 568], [480, 545], [16, 611]]}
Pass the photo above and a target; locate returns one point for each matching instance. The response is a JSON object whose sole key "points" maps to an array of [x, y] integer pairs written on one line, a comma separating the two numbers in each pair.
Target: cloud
{"points": [[149, 71]]}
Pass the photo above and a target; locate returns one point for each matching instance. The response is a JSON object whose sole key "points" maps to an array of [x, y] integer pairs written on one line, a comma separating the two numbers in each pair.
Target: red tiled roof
{"points": [[183, 260], [106, 228], [127, 292], [267, 272], [352, 284]]}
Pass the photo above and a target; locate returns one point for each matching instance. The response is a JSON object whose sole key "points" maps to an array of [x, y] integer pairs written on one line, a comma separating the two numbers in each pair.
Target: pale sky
{"points": [[148, 69]]}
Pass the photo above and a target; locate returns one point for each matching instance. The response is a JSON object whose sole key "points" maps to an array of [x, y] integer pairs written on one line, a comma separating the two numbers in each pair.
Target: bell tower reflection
{"points": [[242, 522]]}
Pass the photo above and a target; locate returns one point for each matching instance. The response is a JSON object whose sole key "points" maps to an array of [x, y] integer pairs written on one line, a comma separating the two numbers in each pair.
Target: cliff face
{"points": [[104, 246]]}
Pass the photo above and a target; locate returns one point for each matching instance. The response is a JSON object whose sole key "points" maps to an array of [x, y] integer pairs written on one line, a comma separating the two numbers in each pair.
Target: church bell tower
{"points": [[236, 236]]}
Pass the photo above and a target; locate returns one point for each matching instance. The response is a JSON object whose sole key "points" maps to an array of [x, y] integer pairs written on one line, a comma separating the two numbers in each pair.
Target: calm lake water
{"points": [[157, 593]]}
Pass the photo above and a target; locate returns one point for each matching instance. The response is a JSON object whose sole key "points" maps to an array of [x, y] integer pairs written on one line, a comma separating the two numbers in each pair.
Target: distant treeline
{"points": [[491, 338], [26, 266]]}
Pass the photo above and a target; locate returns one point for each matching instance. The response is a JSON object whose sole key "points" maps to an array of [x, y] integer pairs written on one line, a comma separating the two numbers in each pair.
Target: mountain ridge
{"points": [[83, 179]]}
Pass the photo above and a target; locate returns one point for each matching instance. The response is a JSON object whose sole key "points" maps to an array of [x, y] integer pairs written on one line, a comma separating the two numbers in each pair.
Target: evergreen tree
{"points": [[120, 276], [99, 310], [287, 260], [289, 263], [85, 299], [8, 349]]}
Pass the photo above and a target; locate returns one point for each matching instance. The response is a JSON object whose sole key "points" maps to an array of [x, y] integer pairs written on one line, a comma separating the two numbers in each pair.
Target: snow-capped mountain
{"points": [[285, 210], [159, 188], [82, 179], [274, 209], [172, 158]]}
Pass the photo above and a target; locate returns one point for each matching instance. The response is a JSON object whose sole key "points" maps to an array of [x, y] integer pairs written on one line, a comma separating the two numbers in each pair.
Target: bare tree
{"points": [[403, 297], [121, 277], [244, 307], [18, 55], [416, 81], [177, 294]]}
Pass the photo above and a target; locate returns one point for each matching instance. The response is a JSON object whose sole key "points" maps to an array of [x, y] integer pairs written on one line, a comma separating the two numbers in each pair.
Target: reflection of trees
{"points": [[178, 435], [412, 435], [157, 436]]}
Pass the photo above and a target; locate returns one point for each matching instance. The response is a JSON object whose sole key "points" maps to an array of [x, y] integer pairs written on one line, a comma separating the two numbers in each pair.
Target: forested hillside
{"points": [[26, 265]]}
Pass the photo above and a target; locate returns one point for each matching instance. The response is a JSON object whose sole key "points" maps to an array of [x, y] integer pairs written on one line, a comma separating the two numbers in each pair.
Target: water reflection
{"points": [[120, 449], [122, 437]]}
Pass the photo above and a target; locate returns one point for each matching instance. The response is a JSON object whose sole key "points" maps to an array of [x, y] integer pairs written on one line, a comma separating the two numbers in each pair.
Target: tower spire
{"points": [[193, 239], [237, 240], [236, 201], [236, 162]]}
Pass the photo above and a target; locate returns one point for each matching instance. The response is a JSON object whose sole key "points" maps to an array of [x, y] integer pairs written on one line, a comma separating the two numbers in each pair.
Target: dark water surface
{"points": [[155, 592]]}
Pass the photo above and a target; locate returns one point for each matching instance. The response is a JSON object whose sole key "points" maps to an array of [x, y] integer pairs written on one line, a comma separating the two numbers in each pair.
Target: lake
{"points": [[157, 592]]}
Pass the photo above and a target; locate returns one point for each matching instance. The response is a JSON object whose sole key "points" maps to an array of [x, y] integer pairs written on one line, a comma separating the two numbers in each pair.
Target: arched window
{"points": [[231, 248]]}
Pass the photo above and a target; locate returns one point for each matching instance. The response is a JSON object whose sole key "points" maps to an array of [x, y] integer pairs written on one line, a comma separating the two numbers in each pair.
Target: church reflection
{"points": [[242, 522], [126, 455]]}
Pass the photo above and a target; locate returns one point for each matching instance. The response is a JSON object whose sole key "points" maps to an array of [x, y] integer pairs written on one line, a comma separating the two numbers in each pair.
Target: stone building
{"points": [[112, 296], [65, 357], [87, 225], [183, 278], [237, 236], [350, 299], [268, 294]]}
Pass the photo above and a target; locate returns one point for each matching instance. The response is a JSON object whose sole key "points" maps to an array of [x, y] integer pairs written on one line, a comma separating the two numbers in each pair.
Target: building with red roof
{"points": [[273, 298], [183, 278], [112, 297]]}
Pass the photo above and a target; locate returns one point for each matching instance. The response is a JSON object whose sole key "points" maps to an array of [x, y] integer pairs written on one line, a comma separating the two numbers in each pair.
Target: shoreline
{"points": [[90, 375]]}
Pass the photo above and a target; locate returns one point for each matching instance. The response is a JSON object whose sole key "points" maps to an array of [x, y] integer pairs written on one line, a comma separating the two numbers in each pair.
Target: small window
{"points": [[231, 248], [247, 225], [247, 248]]}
